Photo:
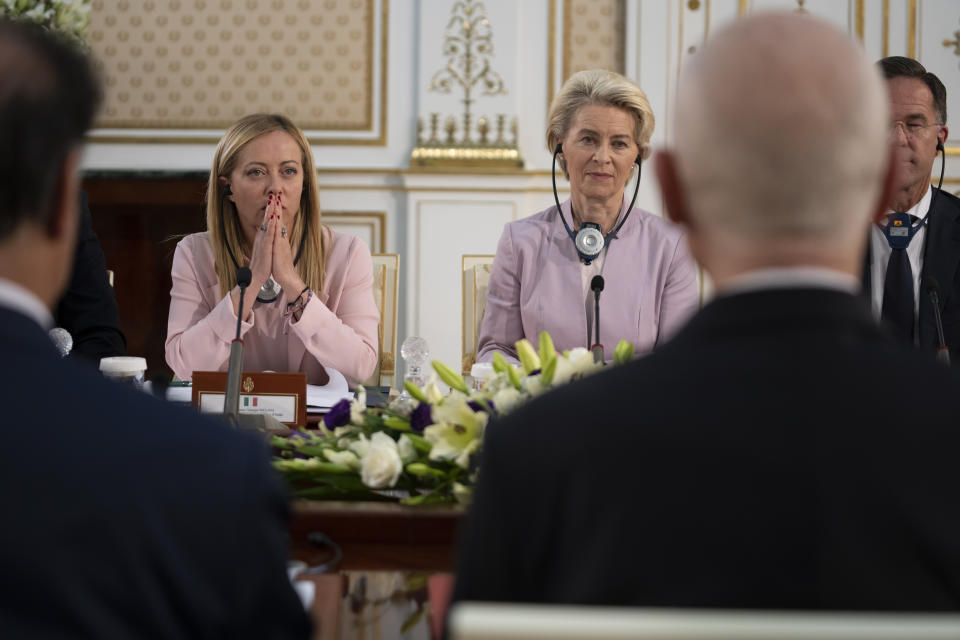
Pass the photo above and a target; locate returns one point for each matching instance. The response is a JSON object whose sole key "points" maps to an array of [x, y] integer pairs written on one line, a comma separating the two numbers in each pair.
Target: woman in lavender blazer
{"points": [[599, 127]]}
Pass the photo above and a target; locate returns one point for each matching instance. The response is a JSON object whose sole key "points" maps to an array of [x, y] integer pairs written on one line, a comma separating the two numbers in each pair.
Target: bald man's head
{"points": [[781, 134]]}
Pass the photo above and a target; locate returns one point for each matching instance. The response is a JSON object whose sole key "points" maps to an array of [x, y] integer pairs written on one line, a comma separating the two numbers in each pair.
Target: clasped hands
{"points": [[272, 255]]}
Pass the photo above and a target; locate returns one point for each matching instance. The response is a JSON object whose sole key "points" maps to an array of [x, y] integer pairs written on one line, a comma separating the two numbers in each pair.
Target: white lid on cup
{"points": [[481, 370], [123, 365]]}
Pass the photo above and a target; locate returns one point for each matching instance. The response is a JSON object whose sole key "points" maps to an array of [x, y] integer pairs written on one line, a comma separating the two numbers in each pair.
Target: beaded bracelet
{"points": [[296, 307]]}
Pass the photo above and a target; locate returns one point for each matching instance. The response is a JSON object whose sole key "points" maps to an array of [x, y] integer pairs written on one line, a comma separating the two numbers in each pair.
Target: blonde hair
{"points": [[603, 88], [223, 222]]}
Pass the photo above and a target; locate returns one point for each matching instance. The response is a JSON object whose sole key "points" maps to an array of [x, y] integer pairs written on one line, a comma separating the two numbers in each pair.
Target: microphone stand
{"points": [[231, 400], [597, 285], [933, 290]]}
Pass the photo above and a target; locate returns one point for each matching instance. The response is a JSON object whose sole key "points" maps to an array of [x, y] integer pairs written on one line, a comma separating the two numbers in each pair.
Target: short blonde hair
{"points": [[223, 222], [604, 88]]}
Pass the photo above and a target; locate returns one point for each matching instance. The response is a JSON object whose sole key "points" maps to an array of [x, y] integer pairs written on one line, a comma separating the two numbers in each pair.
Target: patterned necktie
{"points": [[898, 306]]}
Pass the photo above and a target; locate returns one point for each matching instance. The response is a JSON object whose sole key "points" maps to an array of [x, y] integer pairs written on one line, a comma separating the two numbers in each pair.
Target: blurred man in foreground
{"points": [[749, 462], [123, 517]]}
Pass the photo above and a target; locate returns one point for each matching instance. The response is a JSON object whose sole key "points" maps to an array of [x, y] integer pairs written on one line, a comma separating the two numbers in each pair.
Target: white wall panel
{"points": [[443, 228]]}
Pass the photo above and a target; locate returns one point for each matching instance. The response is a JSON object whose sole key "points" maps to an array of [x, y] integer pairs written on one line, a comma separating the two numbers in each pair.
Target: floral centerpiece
{"points": [[66, 17], [424, 451]]}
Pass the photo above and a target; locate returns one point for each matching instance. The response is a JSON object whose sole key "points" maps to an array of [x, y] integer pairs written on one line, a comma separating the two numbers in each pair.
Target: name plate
{"points": [[281, 395]]}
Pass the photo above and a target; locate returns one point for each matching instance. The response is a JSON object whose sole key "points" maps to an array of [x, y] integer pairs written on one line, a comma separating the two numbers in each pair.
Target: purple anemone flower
{"points": [[338, 415], [421, 418], [477, 407]]}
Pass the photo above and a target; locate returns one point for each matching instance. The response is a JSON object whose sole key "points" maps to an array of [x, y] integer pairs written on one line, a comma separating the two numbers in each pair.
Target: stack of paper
{"points": [[321, 398]]}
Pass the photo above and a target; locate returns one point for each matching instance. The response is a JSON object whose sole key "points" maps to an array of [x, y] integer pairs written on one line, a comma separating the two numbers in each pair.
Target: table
{"points": [[395, 571], [377, 535]]}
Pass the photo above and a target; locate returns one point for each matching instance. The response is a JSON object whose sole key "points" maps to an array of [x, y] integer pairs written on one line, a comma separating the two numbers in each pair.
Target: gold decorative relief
{"points": [[468, 48], [955, 43], [201, 64]]}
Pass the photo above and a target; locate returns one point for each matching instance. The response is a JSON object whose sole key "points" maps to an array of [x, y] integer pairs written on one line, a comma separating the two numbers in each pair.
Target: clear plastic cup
{"points": [[480, 371], [125, 369]]}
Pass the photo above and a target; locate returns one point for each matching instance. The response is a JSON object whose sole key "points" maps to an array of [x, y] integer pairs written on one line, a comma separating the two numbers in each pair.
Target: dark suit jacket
{"points": [[126, 517], [779, 452], [941, 259], [88, 309]]}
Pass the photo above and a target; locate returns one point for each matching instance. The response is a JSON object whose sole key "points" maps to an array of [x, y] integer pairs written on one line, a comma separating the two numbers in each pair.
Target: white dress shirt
{"points": [[791, 278], [880, 251], [17, 298]]}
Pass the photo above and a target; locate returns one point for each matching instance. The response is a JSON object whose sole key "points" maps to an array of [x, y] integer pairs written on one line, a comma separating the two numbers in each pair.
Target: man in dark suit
{"points": [[781, 451], [88, 308], [123, 517], [896, 280]]}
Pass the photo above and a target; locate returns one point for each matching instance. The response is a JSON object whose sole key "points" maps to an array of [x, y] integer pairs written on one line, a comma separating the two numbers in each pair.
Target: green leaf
{"points": [[415, 391], [333, 493], [450, 377], [434, 497], [412, 620], [312, 450]]}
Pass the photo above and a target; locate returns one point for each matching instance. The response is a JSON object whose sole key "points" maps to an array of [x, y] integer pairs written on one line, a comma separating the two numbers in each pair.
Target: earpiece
{"points": [[939, 145], [226, 190], [559, 148]]}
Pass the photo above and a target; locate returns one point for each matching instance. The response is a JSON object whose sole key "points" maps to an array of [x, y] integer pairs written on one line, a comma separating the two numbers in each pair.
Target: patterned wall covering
{"points": [[593, 35], [203, 63]]}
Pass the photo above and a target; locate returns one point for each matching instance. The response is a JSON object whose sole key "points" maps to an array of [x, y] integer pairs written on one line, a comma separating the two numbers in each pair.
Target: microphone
{"points": [[231, 401], [62, 340], [932, 287], [597, 285]]}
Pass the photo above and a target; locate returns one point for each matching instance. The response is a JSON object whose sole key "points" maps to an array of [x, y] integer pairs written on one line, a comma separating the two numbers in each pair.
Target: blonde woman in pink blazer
{"points": [[310, 303], [599, 128]]}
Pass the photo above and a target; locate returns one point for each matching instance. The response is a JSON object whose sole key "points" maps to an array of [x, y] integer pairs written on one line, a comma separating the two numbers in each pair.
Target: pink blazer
{"points": [[650, 287], [337, 329]]}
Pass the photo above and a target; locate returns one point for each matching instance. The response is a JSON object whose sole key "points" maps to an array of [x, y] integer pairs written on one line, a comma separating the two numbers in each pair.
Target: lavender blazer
{"points": [[338, 328], [650, 285]]}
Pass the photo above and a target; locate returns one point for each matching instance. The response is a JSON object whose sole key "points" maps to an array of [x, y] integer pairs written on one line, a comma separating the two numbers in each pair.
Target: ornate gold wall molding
{"points": [[912, 29], [886, 29], [198, 65]]}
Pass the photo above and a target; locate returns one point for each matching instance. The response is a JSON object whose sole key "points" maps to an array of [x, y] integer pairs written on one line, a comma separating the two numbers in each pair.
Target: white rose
{"points": [[381, 466], [533, 385], [506, 399], [360, 445], [406, 449], [563, 372]]}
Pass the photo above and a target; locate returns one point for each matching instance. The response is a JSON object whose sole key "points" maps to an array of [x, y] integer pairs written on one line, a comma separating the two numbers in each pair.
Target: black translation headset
{"points": [[589, 240], [271, 289], [899, 231]]}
